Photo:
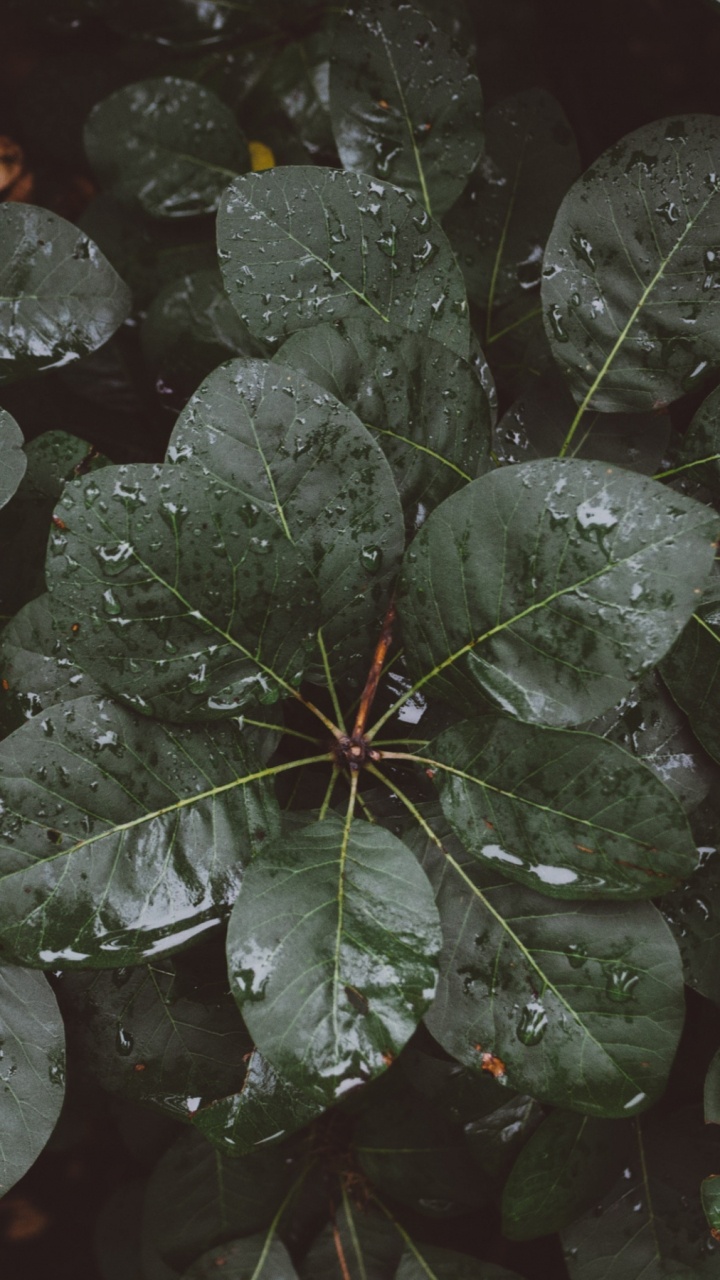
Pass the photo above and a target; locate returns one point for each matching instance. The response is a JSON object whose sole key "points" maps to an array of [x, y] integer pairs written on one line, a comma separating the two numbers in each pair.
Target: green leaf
{"points": [[187, 24], [361, 1245], [568, 814], [426, 1262], [421, 401], [37, 667], [181, 598], [284, 445], [405, 103], [699, 456], [500, 224], [552, 587], [303, 244], [121, 839], [692, 672], [543, 986], [60, 298], [692, 910], [292, 99], [629, 289], [155, 1033], [13, 456], [249, 1259], [332, 949], [566, 1167], [196, 1198], [167, 146], [711, 1092], [651, 1224], [32, 1070], [710, 1197], [267, 1109]]}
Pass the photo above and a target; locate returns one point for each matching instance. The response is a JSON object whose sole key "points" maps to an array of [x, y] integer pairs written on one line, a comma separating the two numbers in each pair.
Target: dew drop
{"points": [[123, 1042], [371, 559], [555, 317], [620, 983], [533, 1023]]}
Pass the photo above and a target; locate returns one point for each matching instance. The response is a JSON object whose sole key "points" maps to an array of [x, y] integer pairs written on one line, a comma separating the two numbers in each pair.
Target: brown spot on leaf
{"points": [[357, 999]]}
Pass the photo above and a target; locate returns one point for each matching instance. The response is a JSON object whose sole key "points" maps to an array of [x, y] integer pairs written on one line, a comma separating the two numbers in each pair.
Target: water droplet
{"points": [[110, 604], [577, 955], [583, 249], [387, 243], [124, 1042], [669, 211], [620, 982], [555, 316], [533, 1023], [371, 559]]}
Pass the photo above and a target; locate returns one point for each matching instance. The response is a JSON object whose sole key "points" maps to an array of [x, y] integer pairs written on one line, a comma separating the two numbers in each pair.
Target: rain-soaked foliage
{"points": [[360, 669]]}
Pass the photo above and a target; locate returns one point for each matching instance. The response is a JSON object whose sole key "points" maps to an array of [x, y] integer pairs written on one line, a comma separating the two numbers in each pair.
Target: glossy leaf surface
{"points": [[630, 275], [282, 444], [332, 950], [568, 814], [692, 912], [543, 587], [32, 1070], [37, 669], [701, 444], [166, 145], [60, 298], [121, 839], [544, 986], [267, 1109], [405, 103], [249, 1259], [692, 672], [183, 612], [302, 244], [12, 456]]}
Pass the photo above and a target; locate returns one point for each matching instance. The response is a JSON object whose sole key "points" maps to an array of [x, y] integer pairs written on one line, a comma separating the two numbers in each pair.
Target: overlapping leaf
{"points": [[692, 672], [551, 587], [185, 24], [12, 456], [427, 1262], [302, 244], [266, 1110], [332, 951], [699, 456], [121, 839], [361, 1245], [254, 1256], [37, 669]]}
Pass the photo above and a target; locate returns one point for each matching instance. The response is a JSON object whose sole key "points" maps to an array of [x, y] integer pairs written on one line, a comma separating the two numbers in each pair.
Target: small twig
{"points": [[371, 684]]}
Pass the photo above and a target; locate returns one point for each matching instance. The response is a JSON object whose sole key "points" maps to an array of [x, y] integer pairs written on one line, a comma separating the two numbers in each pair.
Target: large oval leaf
{"points": [[630, 288], [302, 244], [12, 456], [534, 987], [254, 1258], [121, 839], [424, 404], [692, 672], [551, 587], [167, 145], [32, 1070], [59, 296], [283, 444], [332, 951], [405, 103], [568, 814], [266, 1110], [181, 597]]}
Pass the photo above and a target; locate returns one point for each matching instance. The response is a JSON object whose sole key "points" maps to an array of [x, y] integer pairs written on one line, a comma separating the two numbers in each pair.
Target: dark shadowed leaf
{"points": [[711, 1092], [500, 224], [552, 586], [60, 296], [568, 814], [32, 1070], [699, 455], [630, 288], [421, 401], [167, 146], [267, 1109], [37, 667], [181, 597], [116, 1238], [121, 839], [302, 244], [293, 99], [12, 456], [332, 951], [254, 1258], [566, 1167], [692, 672], [541, 985], [290, 449], [405, 103], [427, 1262], [357, 1245], [693, 910], [185, 24]]}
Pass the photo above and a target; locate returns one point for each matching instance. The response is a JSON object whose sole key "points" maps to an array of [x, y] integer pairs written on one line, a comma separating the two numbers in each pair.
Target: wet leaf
{"points": [[37, 667], [13, 456], [699, 456], [281, 443], [293, 96], [60, 296], [302, 244], [692, 672], [250, 1259], [267, 1109], [566, 1167], [500, 225], [422, 403], [711, 1092], [121, 839], [692, 910], [182, 611], [331, 960], [543, 985], [32, 1069], [167, 146], [552, 587], [359, 1244], [427, 1262], [631, 273], [405, 103], [568, 814]]}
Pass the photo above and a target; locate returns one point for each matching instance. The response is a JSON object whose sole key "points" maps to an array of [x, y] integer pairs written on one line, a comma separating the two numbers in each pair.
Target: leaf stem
{"points": [[408, 1240], [371, 684], [328, 677], [272, 1229], [328, 793], [674, 471], [279, 728]]}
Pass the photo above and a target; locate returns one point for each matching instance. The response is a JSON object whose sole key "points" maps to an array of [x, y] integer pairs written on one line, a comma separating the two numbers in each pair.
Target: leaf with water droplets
{"points": [[265, 1111], [545, 986], [405, 103], [568, 814], [14, 461], [551, 587], [254, 1257], [37, 667], [120, 838], [59, 296], [631, 275], [692, 672], [301, 244], [332, 949], [32, 1070], [692, 910], [167, 146], [699, 457]]}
